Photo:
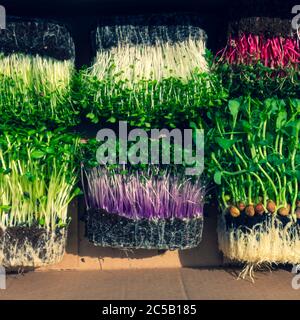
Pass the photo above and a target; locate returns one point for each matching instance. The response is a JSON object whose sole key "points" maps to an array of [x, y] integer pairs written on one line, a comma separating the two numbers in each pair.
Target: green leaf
{"points": [[296, 103], [49, 150], [112, 120], [234, 106], [281, 119], [294, 124], [61, 224], [77, 192], [37, 154], [193, 125], [218, 177], [275, 160], [29, 176], [42, 221], [5, 208], [263, 142], [31, 132], [225, 143], [246, 126], [92, 117]]}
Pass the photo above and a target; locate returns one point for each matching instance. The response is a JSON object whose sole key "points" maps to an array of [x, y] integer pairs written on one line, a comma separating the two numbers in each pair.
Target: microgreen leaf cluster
{"points": [[37, 177], [255, 153], [36, 90], [149, 103], [258, 80]]}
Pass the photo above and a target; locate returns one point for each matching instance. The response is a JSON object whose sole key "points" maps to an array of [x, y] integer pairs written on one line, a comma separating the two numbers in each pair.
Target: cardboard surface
{"points": [[185, 283]]}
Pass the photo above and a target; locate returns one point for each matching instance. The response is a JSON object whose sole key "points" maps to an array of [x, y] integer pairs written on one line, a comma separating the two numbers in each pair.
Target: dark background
{"points": [[81, 16]]}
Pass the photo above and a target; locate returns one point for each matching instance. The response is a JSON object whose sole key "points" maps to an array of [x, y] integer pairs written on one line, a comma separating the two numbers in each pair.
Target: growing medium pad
{"points": [[267, 26], [31, 247], [112, 230], [37, 37]]}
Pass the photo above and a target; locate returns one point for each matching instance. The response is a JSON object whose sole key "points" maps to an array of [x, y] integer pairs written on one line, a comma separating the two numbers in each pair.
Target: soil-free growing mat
{"points": [[31, 246], [266, 26], [261, 8], [45, 38], [147, 29], [111, 230]]}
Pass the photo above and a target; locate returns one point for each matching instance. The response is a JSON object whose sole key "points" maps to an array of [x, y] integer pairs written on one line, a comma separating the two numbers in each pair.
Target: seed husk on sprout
{"points": [[259, 209], [284, 211], [297, 212], [250, 211], [241, 206], [271, 206], [234, 211]]}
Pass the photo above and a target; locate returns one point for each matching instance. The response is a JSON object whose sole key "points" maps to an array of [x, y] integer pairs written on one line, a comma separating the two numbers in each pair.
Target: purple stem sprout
{"points": [[137, 195]]}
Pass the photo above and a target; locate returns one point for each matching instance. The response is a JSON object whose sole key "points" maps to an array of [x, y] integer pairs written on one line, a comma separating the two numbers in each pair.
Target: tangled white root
{"points": [[260, 247], [250, 269], [18, 255]]}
